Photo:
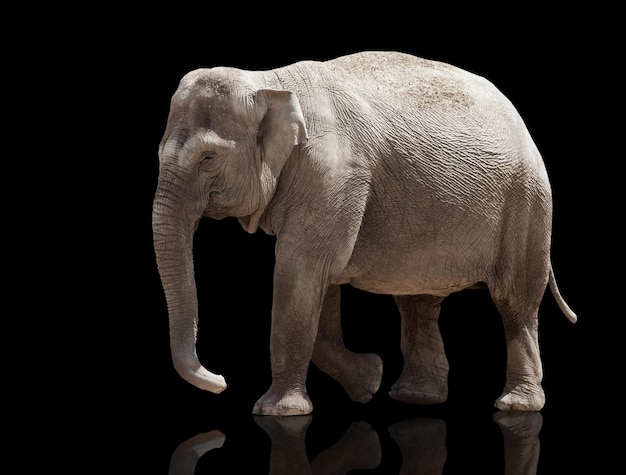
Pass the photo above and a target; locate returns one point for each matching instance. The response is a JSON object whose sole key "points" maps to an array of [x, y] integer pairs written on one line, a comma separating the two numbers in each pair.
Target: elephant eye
{"points": [[206, 161], [208, 156]]}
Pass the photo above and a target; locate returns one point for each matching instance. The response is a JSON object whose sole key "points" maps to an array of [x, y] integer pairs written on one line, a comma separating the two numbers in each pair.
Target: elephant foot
{"points": [[283, 403], [417, 386], [362, 379], [522, 397]]}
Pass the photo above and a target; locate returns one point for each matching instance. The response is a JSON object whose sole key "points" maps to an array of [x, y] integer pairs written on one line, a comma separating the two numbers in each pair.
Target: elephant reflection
{"points": [[422, 444], [187, 454], [358, 448], [520, 432]]}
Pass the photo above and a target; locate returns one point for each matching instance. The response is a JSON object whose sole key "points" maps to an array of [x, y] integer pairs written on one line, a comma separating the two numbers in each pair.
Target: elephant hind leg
{"points": [[424, 378], [360, 374], [522, 390], [523, 269]]}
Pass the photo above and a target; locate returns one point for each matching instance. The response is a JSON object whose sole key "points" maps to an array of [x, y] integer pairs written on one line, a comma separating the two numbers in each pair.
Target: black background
{"points": [[552, 73]]}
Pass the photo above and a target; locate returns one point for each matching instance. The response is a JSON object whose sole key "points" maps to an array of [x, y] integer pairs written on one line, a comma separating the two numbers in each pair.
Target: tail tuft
{"points": [[571, 316]]}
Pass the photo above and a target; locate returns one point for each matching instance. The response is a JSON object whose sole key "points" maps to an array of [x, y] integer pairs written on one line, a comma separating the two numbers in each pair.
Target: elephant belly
{"points": [[406, 286], [420, 270]]}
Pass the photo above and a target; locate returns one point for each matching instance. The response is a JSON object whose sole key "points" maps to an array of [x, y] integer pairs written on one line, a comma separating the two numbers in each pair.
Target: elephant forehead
{"points": [[213, 87], [219, 81], [220, 98], [209, 112], [224, 115]]}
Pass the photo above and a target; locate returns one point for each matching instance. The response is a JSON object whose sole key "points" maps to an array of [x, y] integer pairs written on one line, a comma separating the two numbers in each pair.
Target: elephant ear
{"points": [[281, 129]]}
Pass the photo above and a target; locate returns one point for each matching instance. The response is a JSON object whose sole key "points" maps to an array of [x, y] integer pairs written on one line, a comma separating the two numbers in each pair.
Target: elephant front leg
{"points": [[360, 374], [424, 378], [296, 309]]}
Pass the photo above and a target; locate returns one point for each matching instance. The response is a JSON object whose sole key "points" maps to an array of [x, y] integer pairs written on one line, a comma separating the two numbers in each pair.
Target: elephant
{"points": [[382, 170]]}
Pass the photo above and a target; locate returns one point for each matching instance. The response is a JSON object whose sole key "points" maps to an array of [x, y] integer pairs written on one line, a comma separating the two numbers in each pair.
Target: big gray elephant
{"points": [[395, 174]]}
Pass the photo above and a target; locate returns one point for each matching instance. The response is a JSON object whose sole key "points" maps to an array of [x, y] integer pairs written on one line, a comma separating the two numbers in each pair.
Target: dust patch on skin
{"points": [[426, 82]]}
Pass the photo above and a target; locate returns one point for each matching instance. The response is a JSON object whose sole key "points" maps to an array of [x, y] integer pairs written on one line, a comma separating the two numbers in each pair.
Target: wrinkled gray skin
{"points": [[391, 173]]}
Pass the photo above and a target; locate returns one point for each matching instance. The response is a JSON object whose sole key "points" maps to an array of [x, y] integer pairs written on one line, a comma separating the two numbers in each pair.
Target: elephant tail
{"points": [[571, 316]]}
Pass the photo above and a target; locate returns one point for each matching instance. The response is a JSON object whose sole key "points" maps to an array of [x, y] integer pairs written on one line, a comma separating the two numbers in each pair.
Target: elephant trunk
{"points": [[173, 228]]}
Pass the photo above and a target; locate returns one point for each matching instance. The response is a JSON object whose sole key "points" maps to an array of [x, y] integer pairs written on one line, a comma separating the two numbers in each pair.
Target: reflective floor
{"points": [[416, 446], [384, 437]]}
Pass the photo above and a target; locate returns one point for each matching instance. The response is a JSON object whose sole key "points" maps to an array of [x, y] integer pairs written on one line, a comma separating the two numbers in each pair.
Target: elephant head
{"points": [[225, 144]]}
